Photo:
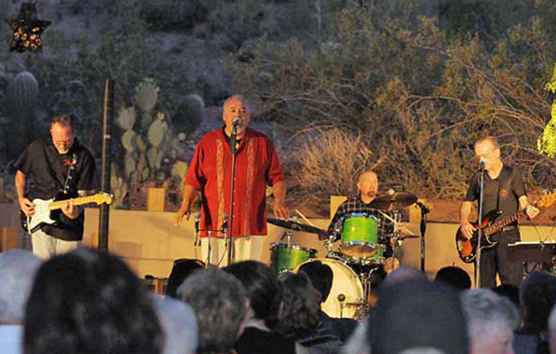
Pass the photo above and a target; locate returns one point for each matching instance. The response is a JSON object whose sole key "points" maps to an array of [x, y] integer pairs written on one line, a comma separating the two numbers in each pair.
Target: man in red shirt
{"points": [[257, 166]]}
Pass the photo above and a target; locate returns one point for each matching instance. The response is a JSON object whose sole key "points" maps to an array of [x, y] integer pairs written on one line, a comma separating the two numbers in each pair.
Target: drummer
{"points": [[367, 187]]}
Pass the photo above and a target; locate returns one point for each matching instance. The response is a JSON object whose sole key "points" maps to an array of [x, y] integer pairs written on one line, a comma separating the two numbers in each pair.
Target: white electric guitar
{"points": [[43, 209]]}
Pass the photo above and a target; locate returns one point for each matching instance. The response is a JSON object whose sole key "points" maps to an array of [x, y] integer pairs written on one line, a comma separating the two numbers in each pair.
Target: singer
{"points": [[209, 172], [503, 190]]}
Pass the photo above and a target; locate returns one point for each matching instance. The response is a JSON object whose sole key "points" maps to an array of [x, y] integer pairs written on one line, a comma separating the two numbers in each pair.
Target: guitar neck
{"points": [[498, 225], [76, 201]]}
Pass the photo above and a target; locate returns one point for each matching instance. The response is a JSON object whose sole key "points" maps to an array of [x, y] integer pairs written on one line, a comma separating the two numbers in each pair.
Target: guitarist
{"points": [[46, 167], [503, 190]]}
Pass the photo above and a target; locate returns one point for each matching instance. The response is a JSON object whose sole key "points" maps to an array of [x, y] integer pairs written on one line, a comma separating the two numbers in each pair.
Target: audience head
{"points": [[89, 302], [454, 277], [17, 271], [510, 292], [220, 304], [321, 276], [537, 297], [357, 342], [263, 289], [178, 323], [180, 271], [401, 275], [552, 330], [300, 312], [491, 320], [415, 313]]}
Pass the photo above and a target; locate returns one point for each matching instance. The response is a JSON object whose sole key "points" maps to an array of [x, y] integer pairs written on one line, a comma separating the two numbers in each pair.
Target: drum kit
{"points": [[366, 247]]}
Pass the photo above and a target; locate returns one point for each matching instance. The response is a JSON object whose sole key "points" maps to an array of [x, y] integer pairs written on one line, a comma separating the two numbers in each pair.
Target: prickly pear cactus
{"points": [[151, 142], [146, 97], [546, 144]]}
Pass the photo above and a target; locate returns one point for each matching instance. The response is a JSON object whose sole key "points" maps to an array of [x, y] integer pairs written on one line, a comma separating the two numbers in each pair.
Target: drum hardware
{"points": [[341, 298], [345, 282], [297, 226]]}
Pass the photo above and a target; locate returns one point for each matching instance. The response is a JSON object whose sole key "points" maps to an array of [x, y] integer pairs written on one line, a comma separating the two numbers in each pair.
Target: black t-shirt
{"points": [[501, 193], [46, 171]]}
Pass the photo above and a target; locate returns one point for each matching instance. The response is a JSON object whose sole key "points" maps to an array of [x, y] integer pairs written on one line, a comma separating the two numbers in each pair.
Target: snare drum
{"points": [[286, 258], [346, 295], [360, 235]]}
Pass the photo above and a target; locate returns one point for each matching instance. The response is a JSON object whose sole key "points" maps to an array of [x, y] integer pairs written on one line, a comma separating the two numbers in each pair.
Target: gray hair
{"points": [[17, 273], [357, 342], [178, 323], [485, 310], [422, 350], [220, 304]]}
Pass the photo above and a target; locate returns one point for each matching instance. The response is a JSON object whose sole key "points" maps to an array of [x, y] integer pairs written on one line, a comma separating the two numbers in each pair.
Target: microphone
{"points": [[482, 164], [235, 122]]}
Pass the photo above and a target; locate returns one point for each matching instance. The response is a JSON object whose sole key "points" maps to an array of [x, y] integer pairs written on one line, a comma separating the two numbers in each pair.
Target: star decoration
{"points": [[27, 29]]}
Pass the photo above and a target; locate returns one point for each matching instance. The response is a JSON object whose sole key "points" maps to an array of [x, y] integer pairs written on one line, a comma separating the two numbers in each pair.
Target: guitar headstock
{"points": [[547, 200], [102, 198]]}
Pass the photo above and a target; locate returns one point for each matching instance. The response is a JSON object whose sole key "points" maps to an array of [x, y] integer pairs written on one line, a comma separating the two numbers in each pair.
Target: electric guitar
{"points": [[490, 226], [45, 210]]}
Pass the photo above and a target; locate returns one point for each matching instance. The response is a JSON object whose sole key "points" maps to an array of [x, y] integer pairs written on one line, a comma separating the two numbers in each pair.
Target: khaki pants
{"points": [[244, 248], [46, 246]]}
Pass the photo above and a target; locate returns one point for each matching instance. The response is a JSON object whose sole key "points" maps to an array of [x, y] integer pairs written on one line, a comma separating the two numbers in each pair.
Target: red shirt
{"points": [[257, 166]]}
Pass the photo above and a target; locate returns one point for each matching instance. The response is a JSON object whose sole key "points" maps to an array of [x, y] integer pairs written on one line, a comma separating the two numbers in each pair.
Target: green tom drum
{"points": [[360, 236], [286, 258]]}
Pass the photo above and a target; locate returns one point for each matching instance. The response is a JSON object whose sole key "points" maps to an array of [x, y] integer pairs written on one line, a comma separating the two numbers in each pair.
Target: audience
{"points": [[414, 313], [180, 271], [454, 277], [89, 302], [17, 271], [178, 323], [321, 277], [220, 304], [552, 330], [299, 318], [491, 320], [510, 292], [265, 296], [537, 295]]}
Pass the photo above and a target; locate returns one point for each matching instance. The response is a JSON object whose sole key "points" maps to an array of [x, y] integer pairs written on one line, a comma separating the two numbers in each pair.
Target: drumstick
{"points": [[304, 218], [387, 216]]}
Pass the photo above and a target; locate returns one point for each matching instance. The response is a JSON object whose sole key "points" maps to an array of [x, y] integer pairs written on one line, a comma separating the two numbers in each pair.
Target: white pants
{"points": [[46, 246], [244, 248]]}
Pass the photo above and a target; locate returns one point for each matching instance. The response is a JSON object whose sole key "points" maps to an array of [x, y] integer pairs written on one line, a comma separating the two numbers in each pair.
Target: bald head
{"points": [[236, 107], [367, 185]]}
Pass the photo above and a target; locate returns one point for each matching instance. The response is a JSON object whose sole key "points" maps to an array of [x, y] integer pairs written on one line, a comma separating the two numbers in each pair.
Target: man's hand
{"points": [[26, 206], [467, 229], [280, 209], [183, 211], [531, 211], [70, 210]]}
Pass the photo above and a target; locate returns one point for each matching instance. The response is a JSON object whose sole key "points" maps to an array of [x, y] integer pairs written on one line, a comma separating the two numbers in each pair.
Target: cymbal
{"points": [[397, 200], [296, 226]]}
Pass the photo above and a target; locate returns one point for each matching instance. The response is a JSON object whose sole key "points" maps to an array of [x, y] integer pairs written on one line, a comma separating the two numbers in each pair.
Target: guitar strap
{"points": [[505, 178], [70, 175]]}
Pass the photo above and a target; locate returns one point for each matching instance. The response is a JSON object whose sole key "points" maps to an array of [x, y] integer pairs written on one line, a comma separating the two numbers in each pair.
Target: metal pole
{"points": [[107, 117]]}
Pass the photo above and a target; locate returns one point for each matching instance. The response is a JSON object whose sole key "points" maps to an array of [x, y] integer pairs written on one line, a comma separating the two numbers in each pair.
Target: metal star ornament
{"points": [[27, 29]]}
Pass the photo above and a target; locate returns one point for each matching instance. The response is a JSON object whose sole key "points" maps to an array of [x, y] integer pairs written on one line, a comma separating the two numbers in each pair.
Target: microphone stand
{"points": [[479, 229], [423, 229], [232, 188]]}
